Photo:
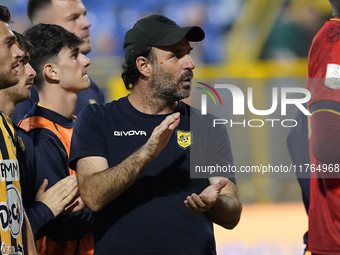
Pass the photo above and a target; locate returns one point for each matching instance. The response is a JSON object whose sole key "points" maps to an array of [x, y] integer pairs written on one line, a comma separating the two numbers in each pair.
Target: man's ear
{"points": [[144, 66], [51, 72]]}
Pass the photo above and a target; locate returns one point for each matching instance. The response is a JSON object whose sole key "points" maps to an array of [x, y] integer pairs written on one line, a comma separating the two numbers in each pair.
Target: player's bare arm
{"points": [[92, 171], [219, 202], [30, 243]]}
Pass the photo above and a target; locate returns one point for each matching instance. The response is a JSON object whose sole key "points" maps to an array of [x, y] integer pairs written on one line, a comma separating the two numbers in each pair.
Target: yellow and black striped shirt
{"points": [[11, 206]]}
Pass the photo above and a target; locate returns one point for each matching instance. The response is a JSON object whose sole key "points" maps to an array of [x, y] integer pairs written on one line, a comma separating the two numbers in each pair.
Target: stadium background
{"points": [[264, 41]]}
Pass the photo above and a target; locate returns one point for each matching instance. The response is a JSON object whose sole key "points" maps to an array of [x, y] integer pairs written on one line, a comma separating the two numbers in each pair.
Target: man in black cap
{"points": [[133, 170]]}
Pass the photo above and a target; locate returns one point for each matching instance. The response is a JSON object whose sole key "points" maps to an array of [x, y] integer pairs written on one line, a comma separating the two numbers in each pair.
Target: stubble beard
{"points": [[17, 95], [167, 88], [7, 81]]}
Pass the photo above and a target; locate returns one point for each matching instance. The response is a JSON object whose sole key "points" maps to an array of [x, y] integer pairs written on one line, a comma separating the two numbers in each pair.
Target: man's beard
{"points": [[7, 81], [166, 86], [16, 94]]}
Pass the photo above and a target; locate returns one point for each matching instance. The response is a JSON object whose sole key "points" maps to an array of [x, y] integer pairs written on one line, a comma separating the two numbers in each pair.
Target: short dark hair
{"points": [[5, 15], [48, 40], [24, 43], [131, 73], [33, 6]]}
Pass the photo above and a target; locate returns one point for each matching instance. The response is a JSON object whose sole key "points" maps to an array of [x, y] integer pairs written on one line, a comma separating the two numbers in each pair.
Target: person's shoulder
{"points": [[196, 114], [38, 123], [19, 130], [44, 136], [187, 109], [23, 138], [97, 111], [326, 105], [121, 104], [31, 112], [325, 39], [101, 107], [324, 29], [91, 111]]}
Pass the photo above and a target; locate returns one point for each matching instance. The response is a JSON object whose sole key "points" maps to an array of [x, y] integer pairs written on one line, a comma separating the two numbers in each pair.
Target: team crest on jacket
{"points": [[14, 149], [184, 138], [21, 143]]}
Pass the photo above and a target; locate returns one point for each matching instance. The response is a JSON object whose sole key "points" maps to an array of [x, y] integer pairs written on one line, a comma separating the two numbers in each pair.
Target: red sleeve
{"points": [[323, 78], [325, 136]]}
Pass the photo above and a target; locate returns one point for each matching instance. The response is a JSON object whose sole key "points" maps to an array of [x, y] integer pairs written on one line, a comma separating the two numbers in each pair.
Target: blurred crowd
{"points": [[290, 36], [112, 18]]}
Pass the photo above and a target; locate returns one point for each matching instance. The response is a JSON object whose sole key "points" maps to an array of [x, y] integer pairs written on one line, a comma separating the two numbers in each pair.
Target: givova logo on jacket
{"points": [[129, 133]]}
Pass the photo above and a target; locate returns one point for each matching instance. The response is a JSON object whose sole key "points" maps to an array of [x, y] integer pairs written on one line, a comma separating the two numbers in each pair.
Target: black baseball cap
{"points": [[158, 30]]}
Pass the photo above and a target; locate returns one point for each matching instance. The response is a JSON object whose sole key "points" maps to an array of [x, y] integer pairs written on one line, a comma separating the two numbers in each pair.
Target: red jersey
{"points": [[323, 81], [323, 78]]}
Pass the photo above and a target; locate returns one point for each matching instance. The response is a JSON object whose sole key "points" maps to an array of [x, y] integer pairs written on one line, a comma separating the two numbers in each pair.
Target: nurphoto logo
{"points": [[238, 104]]}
